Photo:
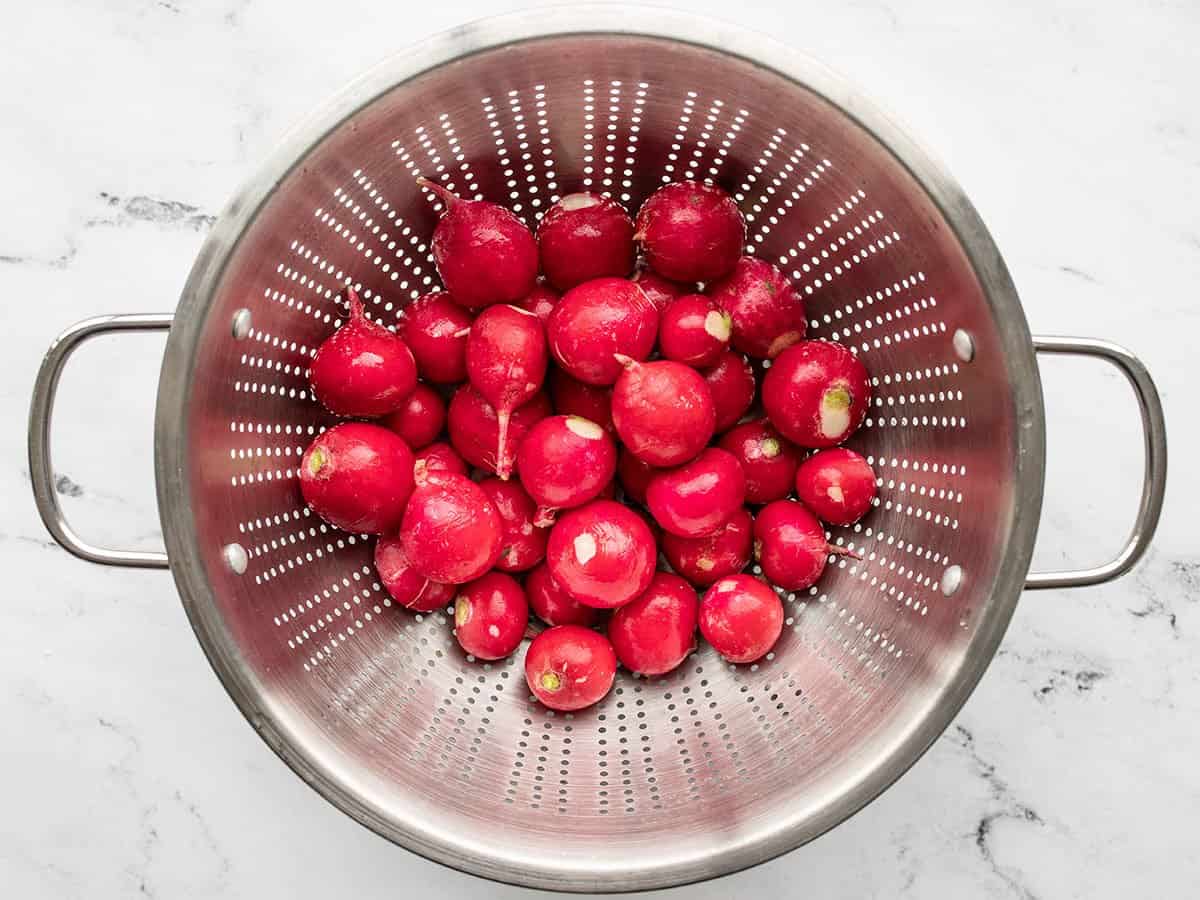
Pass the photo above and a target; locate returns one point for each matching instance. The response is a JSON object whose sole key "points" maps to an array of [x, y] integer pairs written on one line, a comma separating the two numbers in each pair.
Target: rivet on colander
{"points": [[952, 580], [964, 345], [241, 324], [235, 554]]}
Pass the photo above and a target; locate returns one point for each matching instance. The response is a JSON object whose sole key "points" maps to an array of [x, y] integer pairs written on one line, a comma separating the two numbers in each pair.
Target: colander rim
{"points": [[172, 447]]}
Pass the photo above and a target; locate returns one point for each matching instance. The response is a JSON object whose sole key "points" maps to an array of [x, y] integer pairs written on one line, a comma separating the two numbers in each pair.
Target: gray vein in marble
{"points": [[1006, 807], [210, 840], [122, 772], [46, 543], [121, 212], [1158, 603], [55, 262], [233, 18], [1078, 679], [141, 208], [1079, 273], [64, 485]]}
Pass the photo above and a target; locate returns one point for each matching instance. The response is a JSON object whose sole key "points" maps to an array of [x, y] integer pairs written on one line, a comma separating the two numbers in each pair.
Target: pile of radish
{"points": [[586, 445]]}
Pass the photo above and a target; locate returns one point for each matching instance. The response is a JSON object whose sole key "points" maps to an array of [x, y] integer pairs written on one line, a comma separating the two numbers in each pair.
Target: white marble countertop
{"points": [[125, 770]]}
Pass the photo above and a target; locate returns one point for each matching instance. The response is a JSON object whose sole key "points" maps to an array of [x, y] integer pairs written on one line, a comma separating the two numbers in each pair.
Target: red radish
{"points": [[609, 491], [658, 290], [483, 252], [741, 617], [655, 633], [768, 460], [732, 384], [596, 320], [694, 330], [474, 426], [408, 587], [663, 411], [655, 531], [585, 236], [837, 484], [635, 475], [506, 363], [767, 313], [451, 531], [703, 560], [790, 545], [552, 604], [816, 393], [540, 301], [574, 398], [564, 462], [490, 616], [523, 545], [437, 457], [569, 667], [362, 370], [698, 497], [436, 330], [358, 477], [602, 554], [420, 419], [691, 231]]}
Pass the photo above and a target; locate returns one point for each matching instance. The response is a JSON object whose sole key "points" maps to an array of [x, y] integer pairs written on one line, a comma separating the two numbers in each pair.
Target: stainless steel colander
{"points": [[714, 767]]}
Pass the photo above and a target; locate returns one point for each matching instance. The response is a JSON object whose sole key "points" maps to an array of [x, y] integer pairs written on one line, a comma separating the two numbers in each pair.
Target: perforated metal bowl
{"points": [[714, 767]]}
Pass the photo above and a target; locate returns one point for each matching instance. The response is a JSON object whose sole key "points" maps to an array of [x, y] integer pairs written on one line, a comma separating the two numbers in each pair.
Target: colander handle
{"points": [[41, 469], [1154, 476]]}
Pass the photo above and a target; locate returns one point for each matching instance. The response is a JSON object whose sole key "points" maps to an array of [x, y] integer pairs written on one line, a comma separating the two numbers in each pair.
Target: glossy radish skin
{"points": [[490, 615], [635, 475], [703, 560], [838, 485], [768, 460], [362, 370], [663, 411], [436, 329], [732, 385], [572, 397], [474, 426], [451, 531], [420, 418], [602, 554], [698, 497], [816, 393], [655, 632], [585, 236], [540, 301], [569, 667], [523, 545], [790, 545], [565, 461], [658, 290], [506, 364], [596, 320], [358, 477], [766, 311], [741, 617], [694, 330], [437, 457], [408, 587], [483, 252], [691, 231], [552, 604]]}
